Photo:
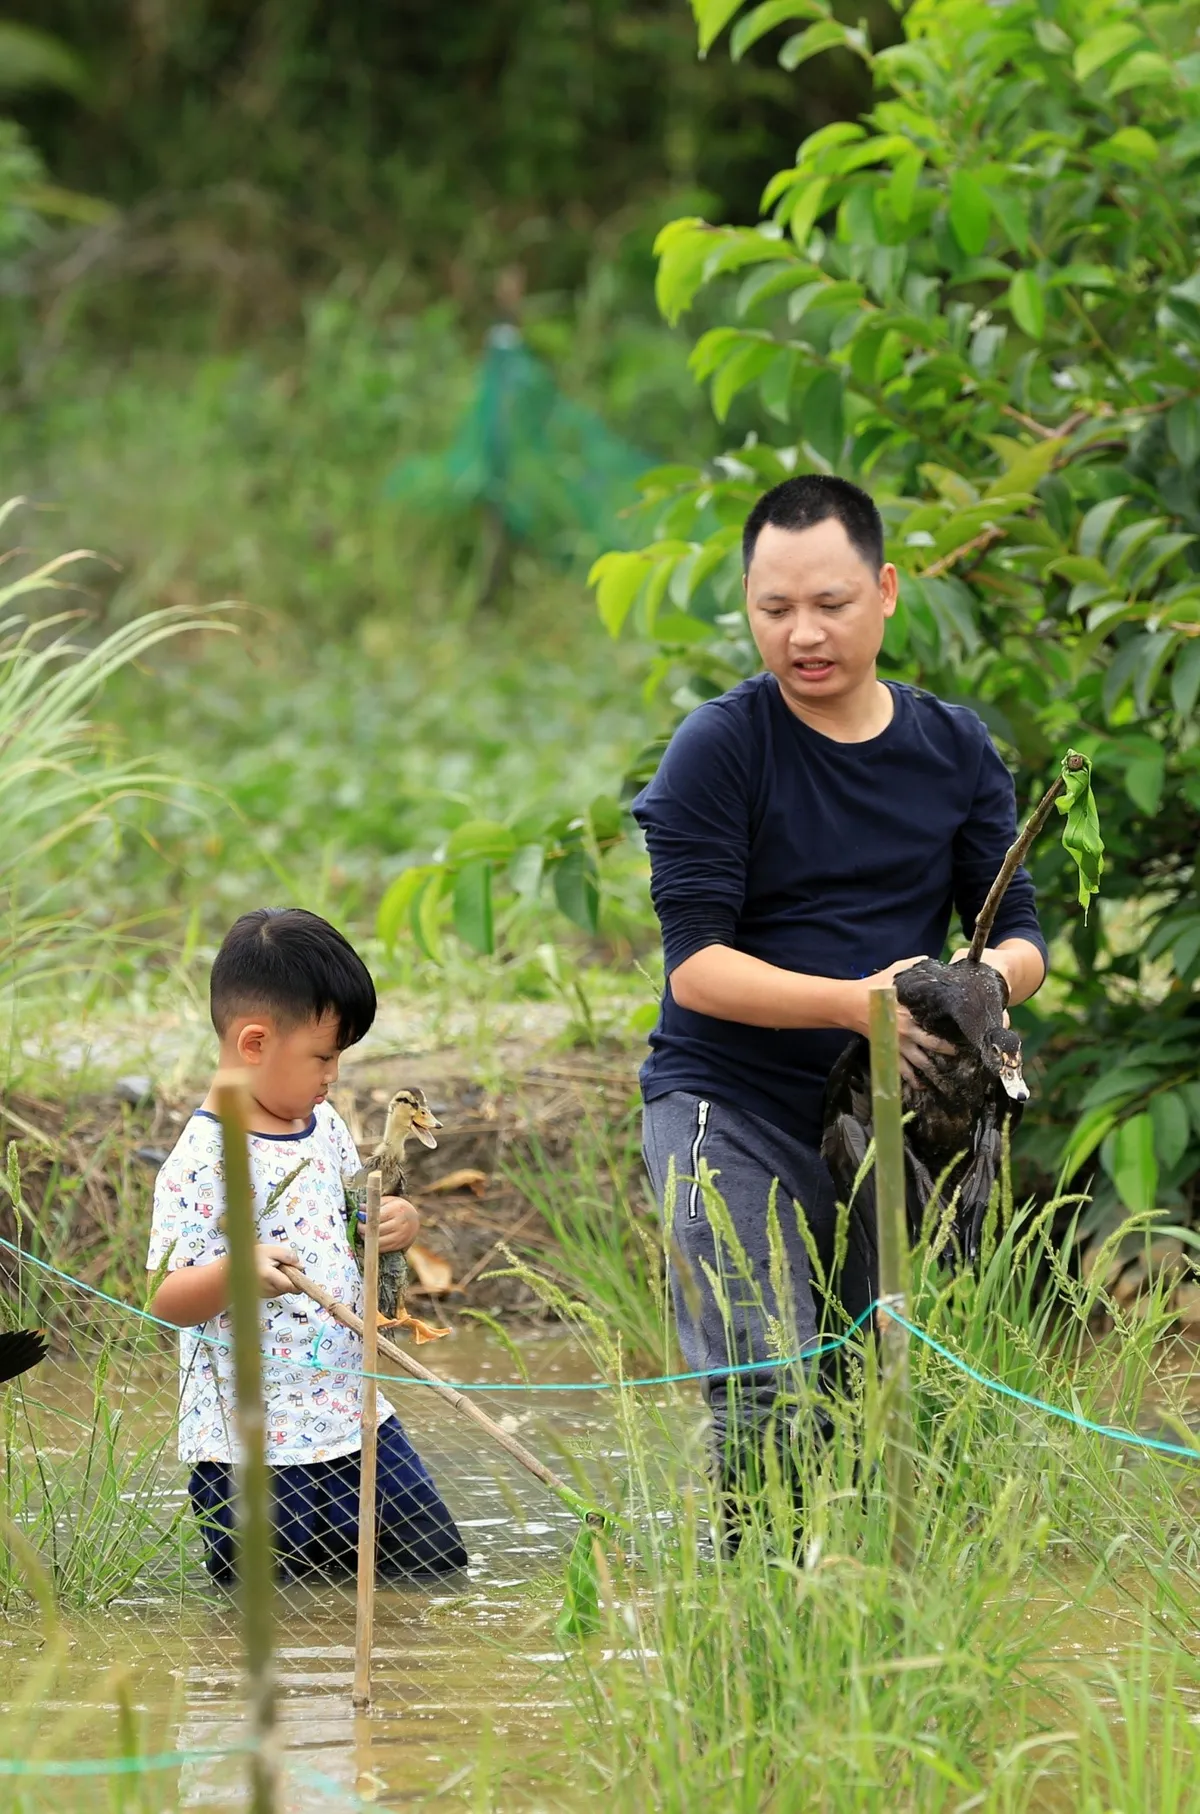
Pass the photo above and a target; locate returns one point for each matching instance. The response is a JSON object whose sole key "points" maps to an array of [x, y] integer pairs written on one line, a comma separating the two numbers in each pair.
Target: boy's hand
{"points": [[399, 1224], [271, 1282]]}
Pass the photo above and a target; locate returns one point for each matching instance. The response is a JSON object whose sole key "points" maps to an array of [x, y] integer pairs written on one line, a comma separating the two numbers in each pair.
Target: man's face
{"points": [[817, 611]]}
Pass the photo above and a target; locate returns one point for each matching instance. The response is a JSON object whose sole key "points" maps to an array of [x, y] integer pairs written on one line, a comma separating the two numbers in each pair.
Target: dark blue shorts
{"points": [[316, 1514]]}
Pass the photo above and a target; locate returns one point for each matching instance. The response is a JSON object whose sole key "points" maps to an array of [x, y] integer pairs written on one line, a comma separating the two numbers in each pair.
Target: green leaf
{"points": [[473, 919], [810, 43], [606, 820], [1097, 523], [970, 212], [712, 16], [809, 202], [577, 888], [1132, 145], [765, 18], [1144, 777], [902, 189], [1144, 69], [580, 1613], [1185, 681], [618, 578], [1103, 46], [1183, 431], [1135, 1167], [398, 899], [1085, 1137], [425, 915], [749, 362], [1168, 1112], [525, 870], [480, 838], [1027, 300], [33, 59], [822, 416], [1081, 833]]}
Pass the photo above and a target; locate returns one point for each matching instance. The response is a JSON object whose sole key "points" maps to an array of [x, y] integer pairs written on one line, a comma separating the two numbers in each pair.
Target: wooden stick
{"points": [[364, 1619], [255, 1546], [1012, 862], [344, 1315], [891, 1216]]}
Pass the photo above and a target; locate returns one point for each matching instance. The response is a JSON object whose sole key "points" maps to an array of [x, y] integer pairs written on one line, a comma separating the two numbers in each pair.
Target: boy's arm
{"points": [[193, 1294]]}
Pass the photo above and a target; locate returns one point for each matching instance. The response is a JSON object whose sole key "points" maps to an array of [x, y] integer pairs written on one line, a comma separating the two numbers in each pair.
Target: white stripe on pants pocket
{"points": [[694, 1192]]}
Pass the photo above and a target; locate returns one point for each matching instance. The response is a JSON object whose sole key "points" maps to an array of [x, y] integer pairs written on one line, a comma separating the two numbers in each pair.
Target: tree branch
{"points": [[1012, 862]]}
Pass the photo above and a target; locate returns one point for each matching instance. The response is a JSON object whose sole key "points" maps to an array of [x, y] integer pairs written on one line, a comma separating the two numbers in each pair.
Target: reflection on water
{"points": [[452, 1660]]}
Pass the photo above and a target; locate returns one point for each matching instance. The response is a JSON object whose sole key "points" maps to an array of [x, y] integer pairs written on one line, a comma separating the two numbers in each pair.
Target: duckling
{"points": [[408, 1116], [957, 1116], [20, 1349]]}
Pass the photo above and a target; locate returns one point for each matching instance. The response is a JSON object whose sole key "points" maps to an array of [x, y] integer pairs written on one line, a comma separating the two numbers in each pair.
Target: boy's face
{"points": [[294, 1067]]}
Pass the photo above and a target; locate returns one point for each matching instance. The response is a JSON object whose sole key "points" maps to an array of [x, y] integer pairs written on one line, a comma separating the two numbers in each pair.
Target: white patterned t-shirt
{"points": [[313, 1413]]}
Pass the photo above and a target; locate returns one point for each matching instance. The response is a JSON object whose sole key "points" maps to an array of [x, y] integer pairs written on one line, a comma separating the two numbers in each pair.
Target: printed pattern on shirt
{"points": [[312, 1415]]}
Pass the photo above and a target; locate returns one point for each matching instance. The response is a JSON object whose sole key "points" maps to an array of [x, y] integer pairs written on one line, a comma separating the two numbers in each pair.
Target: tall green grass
{"points": [[58, 781], [1039, 1655]]}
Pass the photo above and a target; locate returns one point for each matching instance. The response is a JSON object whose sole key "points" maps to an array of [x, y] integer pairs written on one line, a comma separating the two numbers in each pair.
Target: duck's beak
{"points": [[424, 1121], [1014, 1083]]}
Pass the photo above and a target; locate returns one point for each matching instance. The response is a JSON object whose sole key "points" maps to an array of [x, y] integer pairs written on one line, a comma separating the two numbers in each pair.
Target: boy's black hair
{"points": [[295, 966], [813, 498]]}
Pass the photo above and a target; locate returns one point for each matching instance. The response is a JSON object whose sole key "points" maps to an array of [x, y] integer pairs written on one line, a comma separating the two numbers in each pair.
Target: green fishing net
{"points": [[554, 473]]}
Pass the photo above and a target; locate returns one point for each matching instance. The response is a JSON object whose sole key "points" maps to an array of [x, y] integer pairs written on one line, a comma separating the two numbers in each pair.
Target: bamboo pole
{"points": [[344, 1315], [890, 1210], [364, 1620], [1014, 857], [255, 1557]]}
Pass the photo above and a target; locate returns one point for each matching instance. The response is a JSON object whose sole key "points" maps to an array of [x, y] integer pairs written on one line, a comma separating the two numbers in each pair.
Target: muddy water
{"points": [[452, 1662]]}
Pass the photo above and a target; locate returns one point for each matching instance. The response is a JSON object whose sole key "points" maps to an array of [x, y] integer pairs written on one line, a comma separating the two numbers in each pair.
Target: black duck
{"points": [[958, 1116]]}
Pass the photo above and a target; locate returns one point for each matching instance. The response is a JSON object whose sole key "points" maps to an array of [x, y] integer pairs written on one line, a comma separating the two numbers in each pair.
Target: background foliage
{"points": [[983, 300], [977, 293]]}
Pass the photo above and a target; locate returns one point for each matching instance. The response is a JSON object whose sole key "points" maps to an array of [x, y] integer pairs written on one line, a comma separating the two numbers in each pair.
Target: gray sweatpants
{"points": [[732, 1309]]}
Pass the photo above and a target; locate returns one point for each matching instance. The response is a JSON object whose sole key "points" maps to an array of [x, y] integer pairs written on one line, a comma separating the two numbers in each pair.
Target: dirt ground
{"points": [[88, 1165]]}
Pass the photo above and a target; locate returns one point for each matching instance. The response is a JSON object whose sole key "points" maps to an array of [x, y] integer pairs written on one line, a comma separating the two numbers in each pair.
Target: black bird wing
{"points": [[20, 1349]]}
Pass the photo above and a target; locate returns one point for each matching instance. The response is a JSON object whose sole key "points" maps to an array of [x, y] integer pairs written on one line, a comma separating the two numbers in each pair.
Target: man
{"points": [[809, 834]]}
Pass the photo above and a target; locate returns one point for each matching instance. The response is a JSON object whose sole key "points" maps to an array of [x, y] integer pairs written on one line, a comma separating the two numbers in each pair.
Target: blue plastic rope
{"points": [[1111, 1431]]}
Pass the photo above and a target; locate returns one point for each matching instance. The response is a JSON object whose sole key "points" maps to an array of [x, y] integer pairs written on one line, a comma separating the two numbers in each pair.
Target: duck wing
{"points": [[958, 1002], [983, 1168], [20, 1349]]}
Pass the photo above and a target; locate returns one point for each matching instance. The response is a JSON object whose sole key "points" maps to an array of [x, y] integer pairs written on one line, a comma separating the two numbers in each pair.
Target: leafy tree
{"points": [[983, 301]]}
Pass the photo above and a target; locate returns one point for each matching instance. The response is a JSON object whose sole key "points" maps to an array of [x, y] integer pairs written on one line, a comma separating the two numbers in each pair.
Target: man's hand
{"points": [[267, 1260], [917, 1047], [399, 1224]]}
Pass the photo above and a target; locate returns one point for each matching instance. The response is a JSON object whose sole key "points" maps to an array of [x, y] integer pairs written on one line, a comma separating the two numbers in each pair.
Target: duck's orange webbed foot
{"points": [[422, 1331]]}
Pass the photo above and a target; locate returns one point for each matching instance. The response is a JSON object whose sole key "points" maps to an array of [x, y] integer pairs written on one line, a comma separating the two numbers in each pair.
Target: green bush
{"points": [[983, 301]]}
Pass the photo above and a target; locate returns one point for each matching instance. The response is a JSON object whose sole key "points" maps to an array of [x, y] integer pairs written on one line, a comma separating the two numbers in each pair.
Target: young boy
{"points": [[288, 996]]}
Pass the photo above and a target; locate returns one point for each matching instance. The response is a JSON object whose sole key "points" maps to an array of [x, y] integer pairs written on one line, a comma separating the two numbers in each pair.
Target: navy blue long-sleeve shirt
{"points": [[831, 859]]}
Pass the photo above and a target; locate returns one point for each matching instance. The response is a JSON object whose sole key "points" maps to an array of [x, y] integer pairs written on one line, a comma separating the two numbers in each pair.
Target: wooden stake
{"points": [[343, 1314], [364, 1623], [891, 1215], [255, 1545]]}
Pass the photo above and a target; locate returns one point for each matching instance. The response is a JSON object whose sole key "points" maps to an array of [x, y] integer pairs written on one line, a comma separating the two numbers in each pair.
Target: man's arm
{"points": [[1020, 963], [731, 985]]}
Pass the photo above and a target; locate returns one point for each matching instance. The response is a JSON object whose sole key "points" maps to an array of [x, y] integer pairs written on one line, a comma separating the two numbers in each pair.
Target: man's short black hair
{"points": [[813, 498], [295, 966]]}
